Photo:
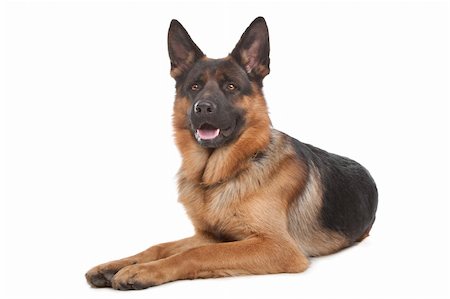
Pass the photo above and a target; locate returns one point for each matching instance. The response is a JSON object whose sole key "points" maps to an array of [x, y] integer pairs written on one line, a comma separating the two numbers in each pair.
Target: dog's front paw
{"points": [[101, 275], [137, 277]]}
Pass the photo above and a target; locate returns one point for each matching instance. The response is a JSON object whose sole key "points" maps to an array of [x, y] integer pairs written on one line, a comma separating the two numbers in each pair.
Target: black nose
{"points": [[204, 108]]}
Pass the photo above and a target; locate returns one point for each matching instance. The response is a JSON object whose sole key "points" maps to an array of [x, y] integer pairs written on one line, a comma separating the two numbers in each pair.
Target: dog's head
{"points": [[215, 96]]}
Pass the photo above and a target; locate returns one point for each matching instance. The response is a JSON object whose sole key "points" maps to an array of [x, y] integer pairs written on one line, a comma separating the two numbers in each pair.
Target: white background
{"points": [[89, 164]]}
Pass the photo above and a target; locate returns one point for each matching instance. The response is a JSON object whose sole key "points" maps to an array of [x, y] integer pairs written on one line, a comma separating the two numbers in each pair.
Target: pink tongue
{"points": [[208, 134]]}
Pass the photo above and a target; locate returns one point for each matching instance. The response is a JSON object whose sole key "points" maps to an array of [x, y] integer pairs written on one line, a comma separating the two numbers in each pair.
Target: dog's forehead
{"points": [[216, 69]]}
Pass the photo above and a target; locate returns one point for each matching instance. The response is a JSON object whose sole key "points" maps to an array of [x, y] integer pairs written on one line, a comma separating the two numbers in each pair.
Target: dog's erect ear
{"points": [[252, 50], [183, 52]]}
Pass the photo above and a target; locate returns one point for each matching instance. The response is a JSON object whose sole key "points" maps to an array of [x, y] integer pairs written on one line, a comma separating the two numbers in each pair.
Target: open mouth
{"points": [[207, 132]]}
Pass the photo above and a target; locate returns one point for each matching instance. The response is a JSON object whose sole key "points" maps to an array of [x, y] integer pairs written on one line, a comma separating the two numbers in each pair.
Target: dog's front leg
{"points": [[101, 275], [256, 255]]}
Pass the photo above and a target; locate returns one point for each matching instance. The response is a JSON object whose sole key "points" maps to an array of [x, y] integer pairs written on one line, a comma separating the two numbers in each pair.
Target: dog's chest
{"points": [[221, 211], [227, 215]]}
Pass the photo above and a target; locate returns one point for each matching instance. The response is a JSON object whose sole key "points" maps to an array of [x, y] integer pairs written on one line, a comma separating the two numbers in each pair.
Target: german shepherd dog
{"points": [[260, 201]]}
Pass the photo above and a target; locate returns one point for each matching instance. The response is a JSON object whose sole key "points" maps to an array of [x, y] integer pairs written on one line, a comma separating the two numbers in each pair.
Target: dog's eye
{"points": [[231, 87], [195, 87]]}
